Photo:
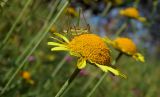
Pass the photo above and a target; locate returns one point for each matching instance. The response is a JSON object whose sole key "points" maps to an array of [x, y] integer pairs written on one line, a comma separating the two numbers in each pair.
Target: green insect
{"points": [[77, 30]]}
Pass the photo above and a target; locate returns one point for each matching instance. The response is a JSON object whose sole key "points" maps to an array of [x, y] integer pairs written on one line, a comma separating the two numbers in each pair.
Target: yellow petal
{"points": [[81, 63], [122, 12], [139, 57], [57, 39], [61, 36], [114, 71], [59, 49], [55, 44], [75, 54]]}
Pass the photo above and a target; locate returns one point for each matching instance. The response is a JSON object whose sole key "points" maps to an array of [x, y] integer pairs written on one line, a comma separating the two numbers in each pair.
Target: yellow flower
{"points": [[26, 75], [88, 48], [126, 46], [119, 2], [132, 12], [115, 2], [72, 11], [53, 29]]}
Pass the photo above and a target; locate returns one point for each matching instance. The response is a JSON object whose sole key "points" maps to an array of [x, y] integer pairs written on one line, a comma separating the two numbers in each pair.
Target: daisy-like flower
{"points": [[126, 46], [132, 12], [88, 48], [26, 76]]}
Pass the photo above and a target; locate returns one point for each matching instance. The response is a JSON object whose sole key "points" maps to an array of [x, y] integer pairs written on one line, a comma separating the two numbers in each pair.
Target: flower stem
{"points": [[118, 57], [68, 82], [88, 82], [97, 84], [102, 78], [120, 29], [59, 65], [106, 9]]}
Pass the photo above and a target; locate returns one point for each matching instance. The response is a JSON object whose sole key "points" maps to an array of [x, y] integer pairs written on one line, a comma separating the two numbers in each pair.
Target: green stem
{"points": [[102, 78], [118, 57], [106, 9], [79, 15], [28, 47], [36, 45], [15, 23], [120, 29], [85, 87], [154, 10], [59, 65], [67, 83], [40, 32], [136, 3], [69, 87], [97, 84], [155, 4]]}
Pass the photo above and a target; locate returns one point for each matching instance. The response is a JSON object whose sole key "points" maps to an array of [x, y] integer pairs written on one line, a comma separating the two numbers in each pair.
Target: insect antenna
{"points": [[87, 24]]}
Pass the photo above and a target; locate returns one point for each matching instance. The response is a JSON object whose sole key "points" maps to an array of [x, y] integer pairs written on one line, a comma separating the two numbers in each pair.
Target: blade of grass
{"points": [[55, 71], [106, 9], [88, 82], [32, 50], [119, 31], [103, 76], [35, 39], [15, 23], [40, 32], [97, 84]]}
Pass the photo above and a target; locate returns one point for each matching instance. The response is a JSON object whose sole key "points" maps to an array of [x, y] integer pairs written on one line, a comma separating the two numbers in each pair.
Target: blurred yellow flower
{"points": [[50, 57], [26, 75], [119, 2], [115, 2], [71, 11], [53, 29], [132, 12], [88, 48], [126, 46]]}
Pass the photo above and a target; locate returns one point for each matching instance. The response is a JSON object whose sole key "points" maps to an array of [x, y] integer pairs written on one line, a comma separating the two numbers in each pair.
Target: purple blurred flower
{"points": [[68, 58], [31, 58], [83, 73]]}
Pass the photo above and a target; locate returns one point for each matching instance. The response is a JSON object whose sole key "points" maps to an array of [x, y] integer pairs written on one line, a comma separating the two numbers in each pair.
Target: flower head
{"points": [[132, 12], [88, 48], [31, 58], [26, 75], [126, 46], [91, 48], [83, 73]]}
